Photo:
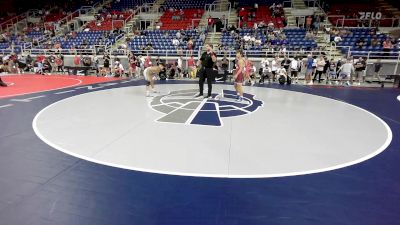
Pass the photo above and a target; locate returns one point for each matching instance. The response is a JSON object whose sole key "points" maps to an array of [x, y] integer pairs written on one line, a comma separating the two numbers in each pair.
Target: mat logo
{"points": [[182, 108]]}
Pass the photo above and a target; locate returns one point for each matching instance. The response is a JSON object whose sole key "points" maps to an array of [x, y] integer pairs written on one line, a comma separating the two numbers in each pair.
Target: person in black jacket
{"points": [[207, 60]]}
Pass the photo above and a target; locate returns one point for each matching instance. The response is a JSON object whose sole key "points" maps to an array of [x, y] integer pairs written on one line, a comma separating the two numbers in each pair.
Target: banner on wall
{"points": [[370, 15]]}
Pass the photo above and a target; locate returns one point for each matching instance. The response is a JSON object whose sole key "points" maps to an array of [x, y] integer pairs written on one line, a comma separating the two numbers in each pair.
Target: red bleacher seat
{"points": [[263, 13], [108, 24], [184, 23]]}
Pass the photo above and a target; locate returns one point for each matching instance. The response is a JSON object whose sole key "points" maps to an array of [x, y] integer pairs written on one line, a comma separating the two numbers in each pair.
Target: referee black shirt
{"points": [[206, 60]]}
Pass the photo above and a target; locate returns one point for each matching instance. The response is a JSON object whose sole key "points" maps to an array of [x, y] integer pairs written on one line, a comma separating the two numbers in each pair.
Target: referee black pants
{"points": [[206, 73]]}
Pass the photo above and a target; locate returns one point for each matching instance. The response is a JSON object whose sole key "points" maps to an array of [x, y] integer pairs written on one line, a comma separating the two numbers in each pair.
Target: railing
{"points": [[48, 52], [12, 21], [384, 22], [287, 4], [86, 10], [217, 6], [313, 3]]}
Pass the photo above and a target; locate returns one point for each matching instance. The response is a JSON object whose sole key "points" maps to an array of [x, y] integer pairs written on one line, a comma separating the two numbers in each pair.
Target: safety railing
{"points": [[313, 3], [217, 6], [384, 22], [12, 21], [287, 4]]}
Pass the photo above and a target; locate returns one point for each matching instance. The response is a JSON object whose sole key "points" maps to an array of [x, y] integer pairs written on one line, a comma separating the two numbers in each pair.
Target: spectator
{"points": [[320, 68], [377, 71], [375, 42], [360, 43], [345, 72], [360, 67], [310, 69], [387, 46], [192, 67], [175, 42], [309, 35], [337, 39]]}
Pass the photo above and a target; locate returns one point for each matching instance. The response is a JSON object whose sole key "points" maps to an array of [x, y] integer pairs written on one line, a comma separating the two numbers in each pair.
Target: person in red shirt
{"points": [[132, 66], [77, 60], [192, 67], [308, 22], [147, 62], [210, 23]]}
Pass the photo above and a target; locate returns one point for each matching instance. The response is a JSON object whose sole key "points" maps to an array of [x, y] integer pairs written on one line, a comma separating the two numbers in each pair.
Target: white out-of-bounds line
{"points": [[5, 106], [27, 99], [64, 92]]}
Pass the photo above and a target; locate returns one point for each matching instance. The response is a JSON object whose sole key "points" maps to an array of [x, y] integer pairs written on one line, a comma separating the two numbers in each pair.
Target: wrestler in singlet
{"points": [[239, 66]]}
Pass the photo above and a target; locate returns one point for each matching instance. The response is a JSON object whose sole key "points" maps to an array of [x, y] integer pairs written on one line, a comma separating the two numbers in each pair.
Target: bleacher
{"points": [[108, 23], [262, 14], [161, 43], [294, 39], [128, 4], [17, 44], [184, 4], [92, 38], [169, 23], [350, 42]]}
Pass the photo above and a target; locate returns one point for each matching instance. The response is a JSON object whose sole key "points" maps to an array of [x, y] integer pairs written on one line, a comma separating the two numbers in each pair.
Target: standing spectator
{"points": [[310, 69], [190, 46], [147, 62], [225, 65], [308, 22], [294, 68], [265, 70], [274, 67], [210, 22], [77, 61], [345, 72], [377, 70], [60, 63], [192, 67], [331, 71], [179, 67], [320, 68], [360, 67], [286, 63]]}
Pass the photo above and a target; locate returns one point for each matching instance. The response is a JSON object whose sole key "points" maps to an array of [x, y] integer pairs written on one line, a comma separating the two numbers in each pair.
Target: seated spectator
{"points": [[309, 35], [387, 46], [175, 42], [337, 39], [375, 42], [360, 43]]}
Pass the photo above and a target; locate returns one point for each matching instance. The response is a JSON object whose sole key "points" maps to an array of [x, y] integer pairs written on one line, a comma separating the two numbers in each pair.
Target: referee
{"points": [[207, 61]]}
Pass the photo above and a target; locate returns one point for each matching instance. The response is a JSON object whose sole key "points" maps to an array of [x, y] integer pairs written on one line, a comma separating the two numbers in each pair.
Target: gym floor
{"points": [[99, 152]]}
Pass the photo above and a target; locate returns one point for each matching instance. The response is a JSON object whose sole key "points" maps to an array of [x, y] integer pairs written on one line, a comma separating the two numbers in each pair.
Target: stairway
{"points": [[213, 38], [203, 21], [291, 20], [382, 4], [298, 4], [233, 18]]}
